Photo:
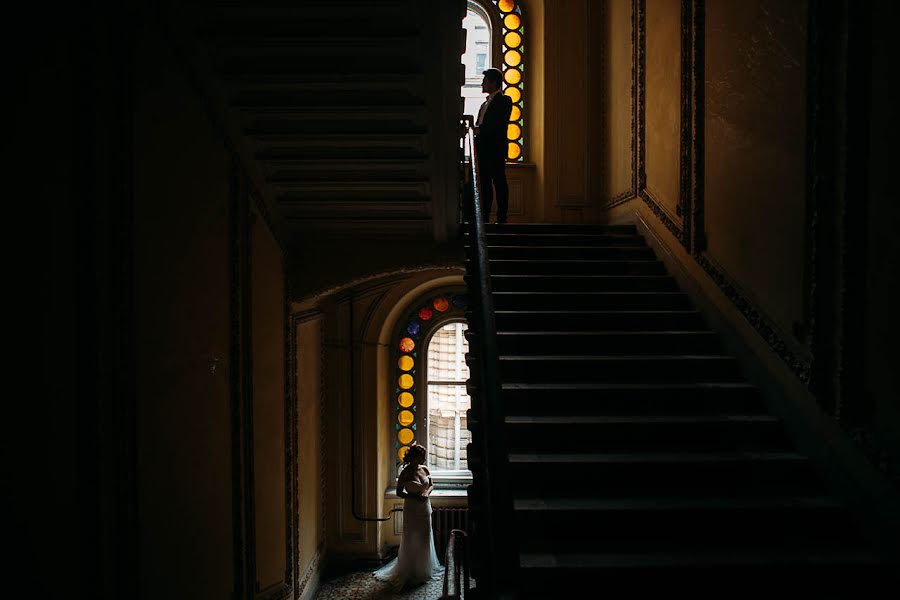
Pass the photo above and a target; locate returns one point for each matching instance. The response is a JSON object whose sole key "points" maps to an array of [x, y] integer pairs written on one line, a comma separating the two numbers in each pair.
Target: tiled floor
{"points": [[362, 585]]}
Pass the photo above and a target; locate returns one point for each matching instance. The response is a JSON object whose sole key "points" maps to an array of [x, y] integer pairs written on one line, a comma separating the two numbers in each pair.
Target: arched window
{"points": [[496, 38], [430, 382]]}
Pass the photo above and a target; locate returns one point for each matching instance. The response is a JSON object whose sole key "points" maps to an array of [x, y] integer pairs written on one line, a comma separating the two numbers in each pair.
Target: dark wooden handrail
{"points": [[493, 533]]}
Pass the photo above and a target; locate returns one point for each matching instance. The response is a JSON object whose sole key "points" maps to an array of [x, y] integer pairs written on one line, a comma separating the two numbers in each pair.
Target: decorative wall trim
{"points": [[291, 435], [661, 213], [697, 117], [640, 50], [323, 436], [307, 316], [763, 326], [688, 141], [686, 144], [619, 199]]}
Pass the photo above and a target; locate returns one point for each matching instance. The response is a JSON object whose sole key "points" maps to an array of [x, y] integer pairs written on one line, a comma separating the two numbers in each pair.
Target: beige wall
{"points": [[267, 305], [663, 103], [310, 510], [181, 325], [573, 121], [755, 150]]}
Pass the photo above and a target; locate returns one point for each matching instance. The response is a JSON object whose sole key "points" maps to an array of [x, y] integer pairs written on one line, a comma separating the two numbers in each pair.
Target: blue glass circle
{"points": [[460, 301], [414, 327]]}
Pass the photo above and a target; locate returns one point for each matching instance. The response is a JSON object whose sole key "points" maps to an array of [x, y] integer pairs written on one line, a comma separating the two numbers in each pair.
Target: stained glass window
{"points": [[514, 74], [431, 406], [483, 44]]}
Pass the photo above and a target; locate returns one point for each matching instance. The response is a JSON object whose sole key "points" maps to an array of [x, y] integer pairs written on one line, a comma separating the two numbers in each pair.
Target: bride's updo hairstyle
{"points": [[414, 451]]}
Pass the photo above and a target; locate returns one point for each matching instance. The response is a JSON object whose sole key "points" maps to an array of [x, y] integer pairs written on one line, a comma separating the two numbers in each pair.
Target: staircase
{"points": [[639, 455]]}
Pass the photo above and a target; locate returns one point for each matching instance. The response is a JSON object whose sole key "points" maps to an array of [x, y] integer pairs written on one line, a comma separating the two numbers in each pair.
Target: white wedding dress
{"points": [[417, 560]]}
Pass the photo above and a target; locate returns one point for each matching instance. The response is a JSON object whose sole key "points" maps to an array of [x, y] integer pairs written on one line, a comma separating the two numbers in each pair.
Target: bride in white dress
{"points": [[417, 560]]}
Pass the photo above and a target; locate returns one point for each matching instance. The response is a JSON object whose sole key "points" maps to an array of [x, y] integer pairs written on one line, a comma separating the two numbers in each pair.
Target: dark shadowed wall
{"points": [[182, 329]]}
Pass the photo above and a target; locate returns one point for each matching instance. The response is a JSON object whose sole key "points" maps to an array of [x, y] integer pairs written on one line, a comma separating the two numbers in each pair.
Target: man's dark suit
{"points": [[491, 146]]}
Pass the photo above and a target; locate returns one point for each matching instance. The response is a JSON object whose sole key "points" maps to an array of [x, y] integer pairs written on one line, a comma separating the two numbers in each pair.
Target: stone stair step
{"points": [[712, 573], [557, 228], [600, 433], [570, 252], [620, 369], [590, 300], [546, 399], [661, 474], [576, 267], [629, 525], [598, 320], [583, 283], [607, 342], [601, 239]]}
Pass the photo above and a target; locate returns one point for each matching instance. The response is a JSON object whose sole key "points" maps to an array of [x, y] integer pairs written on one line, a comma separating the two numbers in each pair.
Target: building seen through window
{"points": [[447, 399], [477, 57]]}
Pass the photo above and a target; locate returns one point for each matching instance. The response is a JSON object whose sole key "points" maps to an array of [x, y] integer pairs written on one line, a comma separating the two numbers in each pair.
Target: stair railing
{"points": [[456, 567], [495, 558]]}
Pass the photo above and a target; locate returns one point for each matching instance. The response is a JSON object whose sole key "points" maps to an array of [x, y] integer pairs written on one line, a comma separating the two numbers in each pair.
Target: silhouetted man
{"points": [[490, 143]]}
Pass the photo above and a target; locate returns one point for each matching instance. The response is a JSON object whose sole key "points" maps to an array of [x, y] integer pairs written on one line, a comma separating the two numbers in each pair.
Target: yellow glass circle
{"points": [[506, 5], [516, 114], [405, 382], [514, 93], [513, 131], [405, 417], [401, 453], [405, 436], [406, 363], [512, 40], [513, 58], [512, 21], [405, 399], [512, 76], [515, 151]]}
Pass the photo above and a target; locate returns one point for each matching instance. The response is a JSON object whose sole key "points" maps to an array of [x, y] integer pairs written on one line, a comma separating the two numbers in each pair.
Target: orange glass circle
{"points": [[512, 76], [513, 58], [513, 131], [405, 436], [441, 304], [506, 5], [512, 21], [401, 453], [515, 151], [405, 399], [406, 363], [512, 40], [514, 93], [516, 114], [405, 417], [407, 345], [405, 381]]}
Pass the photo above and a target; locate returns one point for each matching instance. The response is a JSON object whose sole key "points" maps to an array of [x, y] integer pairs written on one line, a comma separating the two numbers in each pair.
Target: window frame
{"points": [[444, 474]]}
